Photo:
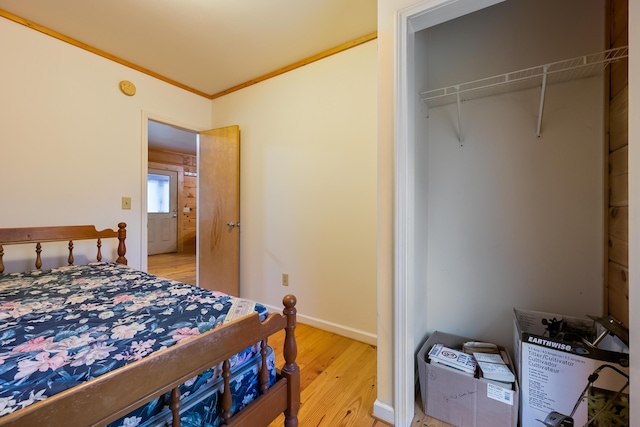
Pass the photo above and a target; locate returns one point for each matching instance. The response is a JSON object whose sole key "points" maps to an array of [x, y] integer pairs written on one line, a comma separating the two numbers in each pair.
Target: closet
{"points": [[513, 206]]}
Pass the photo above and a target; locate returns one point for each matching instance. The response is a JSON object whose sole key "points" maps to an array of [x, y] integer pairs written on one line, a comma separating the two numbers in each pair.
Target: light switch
{"points": [[126, 203]]}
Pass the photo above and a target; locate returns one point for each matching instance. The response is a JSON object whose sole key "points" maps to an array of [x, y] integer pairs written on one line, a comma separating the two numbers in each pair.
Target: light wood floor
{"points": [[180, 267], [338, 374]]}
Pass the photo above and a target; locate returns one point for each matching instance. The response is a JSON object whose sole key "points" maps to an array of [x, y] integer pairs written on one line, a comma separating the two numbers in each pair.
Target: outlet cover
{"points": [[126, 203]]}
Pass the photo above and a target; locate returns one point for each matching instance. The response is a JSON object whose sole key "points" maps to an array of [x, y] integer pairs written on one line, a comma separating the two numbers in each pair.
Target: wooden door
{"points": [[162, 211], [219, 210]]}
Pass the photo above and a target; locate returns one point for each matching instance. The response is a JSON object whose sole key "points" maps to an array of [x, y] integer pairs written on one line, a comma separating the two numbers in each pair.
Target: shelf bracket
{"points": [[543, 91], [460, 139]]}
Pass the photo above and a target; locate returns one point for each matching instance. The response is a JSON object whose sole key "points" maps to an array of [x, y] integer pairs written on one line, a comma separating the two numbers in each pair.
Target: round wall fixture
{"points": [[127, 88]]}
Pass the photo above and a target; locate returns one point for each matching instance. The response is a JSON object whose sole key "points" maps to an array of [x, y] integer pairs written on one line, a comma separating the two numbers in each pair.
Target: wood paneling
{"points": [[187, 194], [619, 222], [618, 250], [171, 158], [619, 292], [619, 76], [619, 190], [616, 295], [618, 120], [619, 23], [619, 235], [619, 161]]}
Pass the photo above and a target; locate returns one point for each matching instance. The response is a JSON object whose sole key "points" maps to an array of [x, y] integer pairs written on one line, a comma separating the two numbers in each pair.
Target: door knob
{"points": [[232, 224]]}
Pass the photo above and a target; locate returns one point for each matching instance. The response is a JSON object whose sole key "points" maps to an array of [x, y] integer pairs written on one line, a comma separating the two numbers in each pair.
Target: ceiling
{"points": [[164, 137], [207, 46]]}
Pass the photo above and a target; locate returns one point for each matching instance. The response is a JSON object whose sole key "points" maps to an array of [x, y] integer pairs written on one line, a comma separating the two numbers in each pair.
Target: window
{"points": [[158, 193]]}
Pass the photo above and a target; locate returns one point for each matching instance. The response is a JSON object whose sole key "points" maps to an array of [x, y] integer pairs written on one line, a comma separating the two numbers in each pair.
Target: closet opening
{"points": [[501, 171]]}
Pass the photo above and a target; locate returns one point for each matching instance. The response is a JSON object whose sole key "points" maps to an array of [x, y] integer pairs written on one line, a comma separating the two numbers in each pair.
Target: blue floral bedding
{"points": [[202, 398], [61, 327]]}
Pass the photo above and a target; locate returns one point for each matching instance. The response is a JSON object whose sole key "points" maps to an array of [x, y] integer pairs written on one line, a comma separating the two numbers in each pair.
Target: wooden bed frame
{"points": [[167, 369]]}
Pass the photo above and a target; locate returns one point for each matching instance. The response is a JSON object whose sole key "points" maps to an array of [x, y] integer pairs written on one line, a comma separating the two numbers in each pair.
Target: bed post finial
{"points": [[290, 369], [122, 248], [38, 257], [70, 258]]}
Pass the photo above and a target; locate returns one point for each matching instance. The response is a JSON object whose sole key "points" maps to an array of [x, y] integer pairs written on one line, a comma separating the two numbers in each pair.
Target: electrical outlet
{"points": [[126, 203], [285, 279]]}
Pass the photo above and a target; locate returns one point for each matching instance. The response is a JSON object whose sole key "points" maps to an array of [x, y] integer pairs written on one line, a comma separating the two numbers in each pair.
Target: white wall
{"points": [[71, 141], [308, 189], [509, 36], [387, 15], [513, 220]]}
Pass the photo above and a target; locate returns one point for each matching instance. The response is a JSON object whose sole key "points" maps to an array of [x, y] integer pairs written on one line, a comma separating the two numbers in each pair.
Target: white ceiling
{"points": [[206, 45], [168, 138]]}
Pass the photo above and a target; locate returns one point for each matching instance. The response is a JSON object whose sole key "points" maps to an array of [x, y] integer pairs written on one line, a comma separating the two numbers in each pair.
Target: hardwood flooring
{"points": [[180, 267], [337, 374]]}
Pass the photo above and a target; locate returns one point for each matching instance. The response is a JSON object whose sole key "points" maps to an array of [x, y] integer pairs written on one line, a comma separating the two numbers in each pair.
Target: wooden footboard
{"points": [[115, 394], [101, 401]]}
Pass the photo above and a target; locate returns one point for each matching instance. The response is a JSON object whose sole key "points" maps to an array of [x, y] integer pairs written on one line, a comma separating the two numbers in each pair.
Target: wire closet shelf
{"points": [[541, 75]]}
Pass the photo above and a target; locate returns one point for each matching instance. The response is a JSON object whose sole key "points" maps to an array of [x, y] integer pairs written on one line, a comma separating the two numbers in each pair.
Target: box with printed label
{"points": [[458, 398], [571, 370]]}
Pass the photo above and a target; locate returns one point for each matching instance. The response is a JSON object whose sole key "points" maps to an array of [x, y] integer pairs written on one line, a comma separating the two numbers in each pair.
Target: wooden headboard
{"points": [[39, 235]]}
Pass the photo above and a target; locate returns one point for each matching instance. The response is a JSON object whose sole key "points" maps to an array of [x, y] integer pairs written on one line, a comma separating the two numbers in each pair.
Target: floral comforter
{"points": [[61, 327]]}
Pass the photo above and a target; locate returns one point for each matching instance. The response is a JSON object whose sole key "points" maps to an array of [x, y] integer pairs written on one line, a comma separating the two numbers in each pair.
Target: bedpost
{"points": [[175, 405], [1, 262], [38, 257], [70, 259], [264, 370], [227, 399], [290, 369], [99, 246], [122, 248]]}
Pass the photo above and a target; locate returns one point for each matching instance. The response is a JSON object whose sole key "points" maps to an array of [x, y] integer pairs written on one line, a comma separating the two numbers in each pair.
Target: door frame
{"points": [[144, 170], [410, 20]]}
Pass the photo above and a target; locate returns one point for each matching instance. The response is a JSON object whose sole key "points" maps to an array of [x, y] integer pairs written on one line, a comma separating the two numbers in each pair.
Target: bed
{"points": [[100, 344]]}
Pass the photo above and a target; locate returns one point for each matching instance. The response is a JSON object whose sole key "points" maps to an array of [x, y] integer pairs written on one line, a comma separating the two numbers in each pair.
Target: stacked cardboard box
{"points": [[564, 380], [459, 398]]}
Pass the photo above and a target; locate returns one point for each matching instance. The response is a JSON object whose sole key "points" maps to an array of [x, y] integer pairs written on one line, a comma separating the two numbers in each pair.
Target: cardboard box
{"points": [[556, 368], [460, 399]]}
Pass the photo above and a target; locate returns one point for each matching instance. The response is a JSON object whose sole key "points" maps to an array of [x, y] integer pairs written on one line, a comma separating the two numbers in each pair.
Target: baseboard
{"points": [[383, 411], [345, 331]]}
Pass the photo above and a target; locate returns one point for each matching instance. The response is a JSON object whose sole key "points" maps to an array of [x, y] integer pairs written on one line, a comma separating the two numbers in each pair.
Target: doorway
{"points": [[172, 164], [422, 15], [208, 201], [412, 204]]}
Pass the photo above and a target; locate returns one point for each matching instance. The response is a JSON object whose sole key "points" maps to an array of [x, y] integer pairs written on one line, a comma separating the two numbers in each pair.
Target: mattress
{"points": [[65, 326]]}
